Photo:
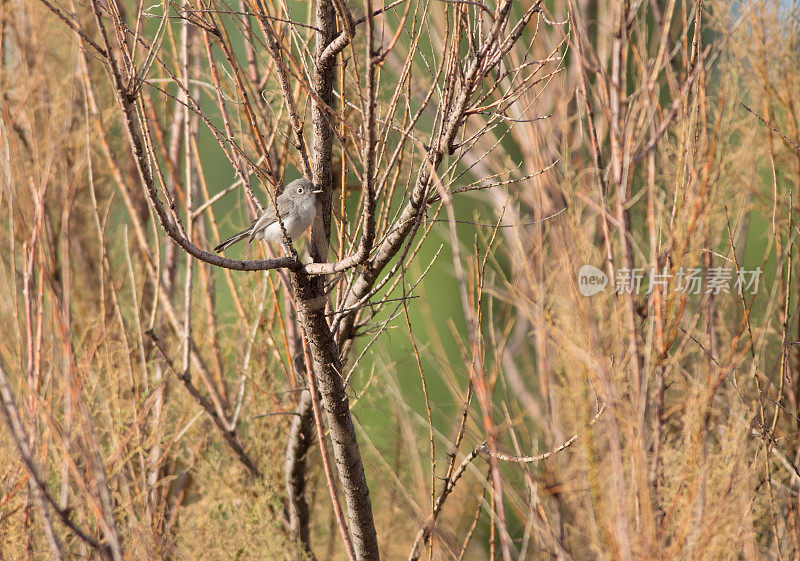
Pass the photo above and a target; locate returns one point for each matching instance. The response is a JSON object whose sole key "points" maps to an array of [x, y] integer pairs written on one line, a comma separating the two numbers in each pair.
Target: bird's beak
{"points": [[317, 192]]}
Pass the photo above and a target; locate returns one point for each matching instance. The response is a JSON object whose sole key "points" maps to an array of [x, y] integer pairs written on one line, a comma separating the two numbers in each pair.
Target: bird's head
{"points": [[302, 188]]}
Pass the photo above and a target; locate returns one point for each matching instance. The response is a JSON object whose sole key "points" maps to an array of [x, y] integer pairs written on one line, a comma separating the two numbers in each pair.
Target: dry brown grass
{"points": [[680, 414]]}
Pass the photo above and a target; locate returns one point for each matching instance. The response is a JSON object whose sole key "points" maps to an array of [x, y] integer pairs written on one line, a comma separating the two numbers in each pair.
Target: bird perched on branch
{"points": [[296, 208]]}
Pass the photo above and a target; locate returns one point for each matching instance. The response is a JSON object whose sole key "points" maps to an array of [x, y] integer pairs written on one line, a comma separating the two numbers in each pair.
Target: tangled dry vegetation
{"points": [[163, 402]]}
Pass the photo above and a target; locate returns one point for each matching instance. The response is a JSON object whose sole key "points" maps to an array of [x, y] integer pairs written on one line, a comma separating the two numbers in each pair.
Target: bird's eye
{"points": [[300, 190]]}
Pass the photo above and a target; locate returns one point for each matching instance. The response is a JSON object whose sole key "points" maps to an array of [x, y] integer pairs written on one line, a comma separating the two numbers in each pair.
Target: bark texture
{"points": [[327, 369]]}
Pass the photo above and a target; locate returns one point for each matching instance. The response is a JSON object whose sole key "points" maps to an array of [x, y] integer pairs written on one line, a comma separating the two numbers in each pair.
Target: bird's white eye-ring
{"points": [[300, 190]]}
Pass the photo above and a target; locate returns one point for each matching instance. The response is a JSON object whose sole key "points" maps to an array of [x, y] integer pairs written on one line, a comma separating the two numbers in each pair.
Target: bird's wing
{"points": [[262, 222]]}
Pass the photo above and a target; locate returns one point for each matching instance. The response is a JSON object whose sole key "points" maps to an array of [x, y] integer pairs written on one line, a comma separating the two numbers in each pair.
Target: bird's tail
{"points": [[232, 240]]}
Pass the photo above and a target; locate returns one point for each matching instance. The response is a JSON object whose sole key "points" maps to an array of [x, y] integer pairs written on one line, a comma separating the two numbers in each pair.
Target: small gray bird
{"points": [[296, 207]]}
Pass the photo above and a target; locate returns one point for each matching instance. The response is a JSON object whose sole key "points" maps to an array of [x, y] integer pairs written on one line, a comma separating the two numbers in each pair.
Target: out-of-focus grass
{"points": [[709, 491]]}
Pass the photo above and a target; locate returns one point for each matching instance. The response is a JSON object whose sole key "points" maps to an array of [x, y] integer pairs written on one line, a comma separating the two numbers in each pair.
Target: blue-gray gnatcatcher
{"points": [[296, 207]]}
